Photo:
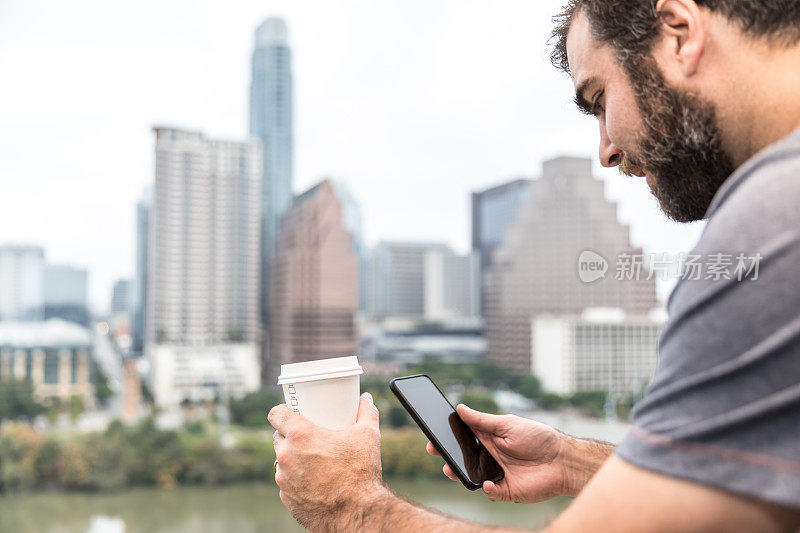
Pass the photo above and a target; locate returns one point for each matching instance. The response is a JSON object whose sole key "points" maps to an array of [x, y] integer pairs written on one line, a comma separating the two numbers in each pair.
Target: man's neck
{"points": [[764, 102]]}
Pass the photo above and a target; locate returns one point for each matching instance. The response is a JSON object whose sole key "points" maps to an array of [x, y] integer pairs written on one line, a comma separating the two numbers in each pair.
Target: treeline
{"points": [[143, 455]]}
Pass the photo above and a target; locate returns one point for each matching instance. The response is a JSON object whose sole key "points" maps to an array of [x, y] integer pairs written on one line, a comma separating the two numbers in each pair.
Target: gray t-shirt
{"points": [[723, 408]]}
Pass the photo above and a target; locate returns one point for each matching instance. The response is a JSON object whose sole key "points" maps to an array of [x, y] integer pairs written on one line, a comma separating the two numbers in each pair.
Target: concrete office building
{"points": [[397, 278], [140, 282], [271, 120], [202, 373], [535, 270], [314, 293], [600, 350], [122, 297], [21, 282], [452, 285], [204, 241], [65, 294], [54, 355], [493, 212]]}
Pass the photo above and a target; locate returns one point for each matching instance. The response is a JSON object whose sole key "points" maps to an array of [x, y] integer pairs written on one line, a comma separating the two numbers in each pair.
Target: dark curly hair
{"points": [[632, 26]]}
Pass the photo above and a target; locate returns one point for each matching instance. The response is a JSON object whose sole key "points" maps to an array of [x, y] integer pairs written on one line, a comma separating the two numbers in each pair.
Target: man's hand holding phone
{"points": [[540, 463]]}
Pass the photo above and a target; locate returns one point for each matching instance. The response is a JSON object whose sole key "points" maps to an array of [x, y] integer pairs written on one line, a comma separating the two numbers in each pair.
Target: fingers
{"points": [[491, 490], [431, 449], [277, 440], [493, 424], [285, 420], [367, 412], [449, 472]]}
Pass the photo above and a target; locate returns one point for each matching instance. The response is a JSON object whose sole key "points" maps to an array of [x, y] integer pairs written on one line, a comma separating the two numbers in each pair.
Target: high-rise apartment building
{"points": [[397, 278], [271, 121], [65, 294], [314, 293], [21, 282], [140, 282], [600, 350], [204, 241], [535, 270]]}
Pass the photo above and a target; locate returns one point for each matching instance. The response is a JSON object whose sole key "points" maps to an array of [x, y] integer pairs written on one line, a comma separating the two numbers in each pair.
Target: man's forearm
{"points": [[388, 512], [582, 458]]}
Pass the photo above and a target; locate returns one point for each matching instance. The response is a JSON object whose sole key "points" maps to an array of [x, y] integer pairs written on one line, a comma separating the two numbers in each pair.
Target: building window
{"points": [[51, 365]]}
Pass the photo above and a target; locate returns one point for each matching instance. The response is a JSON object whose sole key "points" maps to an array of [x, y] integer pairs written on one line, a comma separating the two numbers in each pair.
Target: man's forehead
{"points": [[582, 50]]}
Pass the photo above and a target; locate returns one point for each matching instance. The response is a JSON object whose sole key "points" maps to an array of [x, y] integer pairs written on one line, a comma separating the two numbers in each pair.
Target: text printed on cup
{"points": [[293, 399]]}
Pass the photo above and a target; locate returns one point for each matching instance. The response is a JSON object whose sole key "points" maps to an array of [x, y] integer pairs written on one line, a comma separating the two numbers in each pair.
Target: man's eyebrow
{"points": [[580, 99]]}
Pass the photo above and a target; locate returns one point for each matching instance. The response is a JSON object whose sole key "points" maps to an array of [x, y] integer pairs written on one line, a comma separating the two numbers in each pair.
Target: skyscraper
{"points": [[351, 217], [21, 282], [65, 294], [314, 293], [271, 121], [535, 270], [140, 282], [204, 242]]}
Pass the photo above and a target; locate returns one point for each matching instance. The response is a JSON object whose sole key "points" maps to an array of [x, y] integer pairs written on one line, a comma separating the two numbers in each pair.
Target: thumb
{"points": [[367, 412], [492, 424]]}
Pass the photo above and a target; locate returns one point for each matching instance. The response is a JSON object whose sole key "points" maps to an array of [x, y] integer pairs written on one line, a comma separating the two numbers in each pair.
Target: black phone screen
{"points": [[452, 434]]}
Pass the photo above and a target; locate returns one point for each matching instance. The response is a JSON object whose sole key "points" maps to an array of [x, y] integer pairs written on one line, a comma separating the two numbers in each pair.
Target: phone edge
{"points": [[428, 433]]}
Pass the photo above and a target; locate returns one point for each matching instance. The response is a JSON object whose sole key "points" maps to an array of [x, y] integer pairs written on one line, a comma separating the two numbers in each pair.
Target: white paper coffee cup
{"points": [[325, 391]]}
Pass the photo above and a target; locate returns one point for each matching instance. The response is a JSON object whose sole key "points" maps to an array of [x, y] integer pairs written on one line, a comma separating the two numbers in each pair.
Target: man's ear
{"points": [[683, 28]]}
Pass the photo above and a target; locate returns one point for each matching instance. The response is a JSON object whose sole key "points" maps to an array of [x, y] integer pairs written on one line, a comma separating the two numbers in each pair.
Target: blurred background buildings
{"points": [[234, 276]]}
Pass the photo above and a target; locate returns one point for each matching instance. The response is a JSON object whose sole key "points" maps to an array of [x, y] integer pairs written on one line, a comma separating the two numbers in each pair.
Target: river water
{"points": [[237, 508]]}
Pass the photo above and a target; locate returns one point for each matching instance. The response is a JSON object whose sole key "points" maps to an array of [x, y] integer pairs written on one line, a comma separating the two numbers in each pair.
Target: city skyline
{"points": [[363, 115]]}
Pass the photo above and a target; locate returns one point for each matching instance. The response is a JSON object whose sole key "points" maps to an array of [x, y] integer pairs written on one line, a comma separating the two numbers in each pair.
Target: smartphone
{"points": [[451, 437]]}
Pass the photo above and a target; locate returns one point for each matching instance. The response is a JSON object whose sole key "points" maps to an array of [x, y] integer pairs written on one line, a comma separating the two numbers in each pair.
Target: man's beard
{"points": [[680, 146]]}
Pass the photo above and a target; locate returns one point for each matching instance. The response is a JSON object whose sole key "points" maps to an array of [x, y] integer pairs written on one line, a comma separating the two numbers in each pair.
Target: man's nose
{"points": [[610, 155]]}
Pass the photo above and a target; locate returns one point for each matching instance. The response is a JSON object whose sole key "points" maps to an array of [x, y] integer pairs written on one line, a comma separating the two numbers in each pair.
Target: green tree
{"points": [[102, 391], [17, 401], [235, 334], [251, 410], [398, 417], [528, 386], [75, 407], [479, 400], [590, 402], [550, 400]]}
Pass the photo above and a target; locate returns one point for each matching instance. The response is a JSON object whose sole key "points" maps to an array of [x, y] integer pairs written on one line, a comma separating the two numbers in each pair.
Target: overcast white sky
{"points": [[412, 103]]}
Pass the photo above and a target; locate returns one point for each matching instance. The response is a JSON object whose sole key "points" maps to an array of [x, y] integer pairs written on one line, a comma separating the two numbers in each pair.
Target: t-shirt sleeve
{"points": [[723, 408]]}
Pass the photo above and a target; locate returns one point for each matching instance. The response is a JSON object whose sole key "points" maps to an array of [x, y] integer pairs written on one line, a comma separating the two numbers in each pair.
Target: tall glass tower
{"points": [[271, 121]]}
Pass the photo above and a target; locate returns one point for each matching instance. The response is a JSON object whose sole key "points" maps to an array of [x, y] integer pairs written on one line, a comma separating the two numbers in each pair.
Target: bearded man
{"points": [[701, 98]]}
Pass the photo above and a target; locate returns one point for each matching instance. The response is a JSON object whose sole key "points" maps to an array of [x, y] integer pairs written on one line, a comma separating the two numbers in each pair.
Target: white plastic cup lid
{"points": [[335, 367]]}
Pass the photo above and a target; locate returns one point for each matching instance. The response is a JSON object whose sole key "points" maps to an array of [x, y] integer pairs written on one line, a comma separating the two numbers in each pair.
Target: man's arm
{"points": [[582, 459], [620, 498], [331, 481]]}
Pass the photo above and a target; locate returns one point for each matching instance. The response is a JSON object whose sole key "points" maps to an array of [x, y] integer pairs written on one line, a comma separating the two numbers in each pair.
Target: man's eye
{"points": [[597, 107]]}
